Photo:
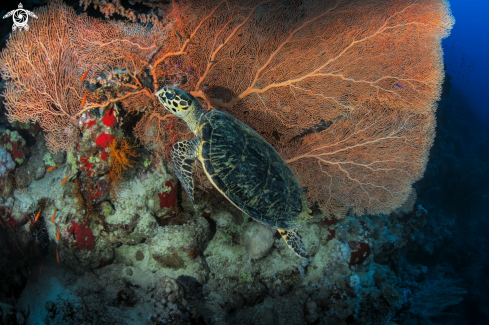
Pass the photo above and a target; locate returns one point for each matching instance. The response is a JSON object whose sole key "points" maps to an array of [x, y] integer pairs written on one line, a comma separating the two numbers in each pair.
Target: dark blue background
{"points": [[467, 53], [456, 181]]}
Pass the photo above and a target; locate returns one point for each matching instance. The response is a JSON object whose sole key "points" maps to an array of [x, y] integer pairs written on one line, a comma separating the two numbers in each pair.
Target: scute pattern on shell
{"points": [[250, 172]]}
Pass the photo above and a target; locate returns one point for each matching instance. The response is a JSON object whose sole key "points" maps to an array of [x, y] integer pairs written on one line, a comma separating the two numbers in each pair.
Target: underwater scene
{"points": [[244, 162]]}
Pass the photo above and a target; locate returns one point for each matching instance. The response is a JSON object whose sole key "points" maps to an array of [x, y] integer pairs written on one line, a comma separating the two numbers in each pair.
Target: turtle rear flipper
{"points": [[182, 157], [294, 241]]}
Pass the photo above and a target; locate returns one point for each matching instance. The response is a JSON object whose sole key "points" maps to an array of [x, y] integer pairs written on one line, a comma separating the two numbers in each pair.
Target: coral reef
{"points": [[83, 234], [257, 239], [14, 144], [6, 163], [219, 267], [169, 303], [102, 233]]}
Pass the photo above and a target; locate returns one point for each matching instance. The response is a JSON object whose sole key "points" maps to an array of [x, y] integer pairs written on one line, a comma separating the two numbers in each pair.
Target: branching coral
{"points": [[111, 7]]}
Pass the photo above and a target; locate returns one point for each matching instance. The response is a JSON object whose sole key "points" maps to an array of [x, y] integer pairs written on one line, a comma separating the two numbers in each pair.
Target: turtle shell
{"points": [[250, 172]]}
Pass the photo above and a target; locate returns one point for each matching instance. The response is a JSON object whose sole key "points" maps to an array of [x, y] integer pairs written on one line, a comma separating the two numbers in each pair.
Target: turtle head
{"points": [[178, 102], [181, 104]]}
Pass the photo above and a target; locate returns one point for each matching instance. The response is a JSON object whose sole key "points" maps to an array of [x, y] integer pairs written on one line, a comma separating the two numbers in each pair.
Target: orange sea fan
{"points": [[344, 90], [318, 79], [43, 67]]}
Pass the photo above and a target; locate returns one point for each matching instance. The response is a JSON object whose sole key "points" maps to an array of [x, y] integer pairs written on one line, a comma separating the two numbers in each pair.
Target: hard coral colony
{"points": [[288, 106]]}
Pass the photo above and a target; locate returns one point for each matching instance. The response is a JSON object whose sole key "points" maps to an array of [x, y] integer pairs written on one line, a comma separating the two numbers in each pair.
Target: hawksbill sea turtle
{"points": [[240, 164], [20, 17]]}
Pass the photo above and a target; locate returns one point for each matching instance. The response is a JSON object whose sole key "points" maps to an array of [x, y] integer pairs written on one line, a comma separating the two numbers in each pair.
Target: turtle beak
{"points": [[161, 95], [165, 96]]}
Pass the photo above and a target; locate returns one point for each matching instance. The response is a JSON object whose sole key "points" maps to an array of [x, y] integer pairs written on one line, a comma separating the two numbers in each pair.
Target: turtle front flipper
{"points": [[294, 241], [30, 13], [10, 13], [182, 157]]}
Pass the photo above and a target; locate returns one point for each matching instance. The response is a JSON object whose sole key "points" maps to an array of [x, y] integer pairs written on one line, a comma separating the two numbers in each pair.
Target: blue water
{"points": [[467, 53], [456, 183]]}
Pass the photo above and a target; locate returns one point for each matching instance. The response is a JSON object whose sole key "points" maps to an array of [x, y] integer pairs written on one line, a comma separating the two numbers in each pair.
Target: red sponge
{"points": [[104, 140], [167, 200], [109, 119], [83, 234]]}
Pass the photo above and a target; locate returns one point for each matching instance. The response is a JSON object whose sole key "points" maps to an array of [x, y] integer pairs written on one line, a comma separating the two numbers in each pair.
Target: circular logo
{"points": [[20, 17]]}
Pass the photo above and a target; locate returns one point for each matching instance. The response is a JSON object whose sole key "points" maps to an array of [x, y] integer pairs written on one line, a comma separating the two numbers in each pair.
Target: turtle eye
{"points": [[170, 95], [183, 104]]}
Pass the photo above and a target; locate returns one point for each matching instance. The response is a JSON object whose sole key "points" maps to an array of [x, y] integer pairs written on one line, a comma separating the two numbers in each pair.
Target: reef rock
{"points": [[169, 303]]}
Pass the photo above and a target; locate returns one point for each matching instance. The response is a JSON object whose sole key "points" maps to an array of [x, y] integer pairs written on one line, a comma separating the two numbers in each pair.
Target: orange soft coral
{"points": [[121, 154]]}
